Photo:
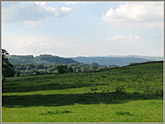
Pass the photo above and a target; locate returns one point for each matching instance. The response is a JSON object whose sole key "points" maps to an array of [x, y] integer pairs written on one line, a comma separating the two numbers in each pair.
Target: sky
{"points": [[70, 29]]}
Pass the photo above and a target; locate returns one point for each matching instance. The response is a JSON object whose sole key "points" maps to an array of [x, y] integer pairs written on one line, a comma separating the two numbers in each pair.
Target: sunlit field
{"points": [[125, 94]]}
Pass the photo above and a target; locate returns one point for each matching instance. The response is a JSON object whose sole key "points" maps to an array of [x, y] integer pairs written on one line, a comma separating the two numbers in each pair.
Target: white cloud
{"points": [[71, 2], [33, 40], [136, 14], [99, 32], [32, 44], [62, 43], [122, 37], [41, 41], [48, 8], [41, 3], [65, 10], [156, 53], [31, 12], [31, 24], [76, 2]]}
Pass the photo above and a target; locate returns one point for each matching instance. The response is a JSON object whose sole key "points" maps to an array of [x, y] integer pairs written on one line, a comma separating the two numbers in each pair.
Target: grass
{"points": [[127, 94]]}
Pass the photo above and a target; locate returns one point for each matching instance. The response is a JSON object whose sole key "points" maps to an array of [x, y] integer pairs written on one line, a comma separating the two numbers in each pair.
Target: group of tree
{"points": [[7, 67], [11, 69], [42, 59], [64, 69], [56, 68]]}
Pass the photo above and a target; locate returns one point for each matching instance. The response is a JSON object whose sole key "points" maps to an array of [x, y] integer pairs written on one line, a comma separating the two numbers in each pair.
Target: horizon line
{"points": [[88, 56]]}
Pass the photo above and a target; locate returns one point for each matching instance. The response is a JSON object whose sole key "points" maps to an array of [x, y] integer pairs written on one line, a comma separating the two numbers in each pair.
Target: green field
{"points": [[127, 94]]}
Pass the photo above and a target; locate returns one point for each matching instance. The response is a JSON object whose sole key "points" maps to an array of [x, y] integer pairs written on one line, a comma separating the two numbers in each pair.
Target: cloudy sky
{"points": [[83, 28]]}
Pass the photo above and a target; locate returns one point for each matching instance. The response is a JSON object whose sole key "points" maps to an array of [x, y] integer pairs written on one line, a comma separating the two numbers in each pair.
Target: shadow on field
{"points": [[71, 99], [13, 88]]}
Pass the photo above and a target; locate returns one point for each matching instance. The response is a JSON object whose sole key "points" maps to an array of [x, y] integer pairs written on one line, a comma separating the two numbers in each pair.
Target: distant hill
{"points": [[155, 58], [107, 60], [116, 60], [42, 59]]}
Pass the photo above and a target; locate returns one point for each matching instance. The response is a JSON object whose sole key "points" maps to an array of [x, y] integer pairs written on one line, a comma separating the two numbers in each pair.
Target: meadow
{"points": [[126, 94]]}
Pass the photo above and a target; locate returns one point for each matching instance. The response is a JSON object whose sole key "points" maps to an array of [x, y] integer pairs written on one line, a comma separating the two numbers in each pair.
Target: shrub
{"points": [[120, 90], [93, 89], [146, 90], [17, 73]]}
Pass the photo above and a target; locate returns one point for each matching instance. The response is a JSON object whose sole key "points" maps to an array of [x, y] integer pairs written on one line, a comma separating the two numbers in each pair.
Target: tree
{"points": [[69, 69], [30, 67], [84, 68], [95, 65], [40, 66], [17, 73], [22, 67], [61, 69], [7, 67]]}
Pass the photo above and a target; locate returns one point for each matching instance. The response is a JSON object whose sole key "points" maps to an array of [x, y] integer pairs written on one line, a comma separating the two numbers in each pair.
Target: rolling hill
{"points": [[132, 93], [107, 60], [116, 60], [42, 59]]}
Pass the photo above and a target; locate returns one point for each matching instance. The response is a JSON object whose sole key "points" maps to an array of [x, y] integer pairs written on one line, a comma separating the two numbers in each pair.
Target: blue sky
{"points": [[83, 28]]}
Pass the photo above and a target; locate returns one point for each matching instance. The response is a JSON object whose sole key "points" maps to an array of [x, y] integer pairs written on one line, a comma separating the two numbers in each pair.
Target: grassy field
{"points": [[128, 94]]}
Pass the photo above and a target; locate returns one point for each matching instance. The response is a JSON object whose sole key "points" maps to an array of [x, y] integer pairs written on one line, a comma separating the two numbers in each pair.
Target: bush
{"points": [[17, 73], [93, 89], [61, 69], [9, 72], [37, 72], [64, 69], [120, 90]]}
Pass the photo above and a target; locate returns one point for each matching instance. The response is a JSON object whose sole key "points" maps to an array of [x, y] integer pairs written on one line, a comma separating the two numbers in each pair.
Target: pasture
{"points": [[126, 94]]}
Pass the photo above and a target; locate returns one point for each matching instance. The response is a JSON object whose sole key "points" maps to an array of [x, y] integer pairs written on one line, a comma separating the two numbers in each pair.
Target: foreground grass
{"points": [[87, 97], [134, 111]]}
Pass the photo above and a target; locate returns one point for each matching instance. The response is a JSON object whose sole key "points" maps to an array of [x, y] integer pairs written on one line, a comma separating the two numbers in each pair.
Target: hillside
{"points": [[108, 61], [116, 60], [42, 59], [124, 94]]}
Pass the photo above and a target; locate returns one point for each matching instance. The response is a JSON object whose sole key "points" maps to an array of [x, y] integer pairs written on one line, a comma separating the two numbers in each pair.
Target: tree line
{"points": [[11, 70], [56, 68]]}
